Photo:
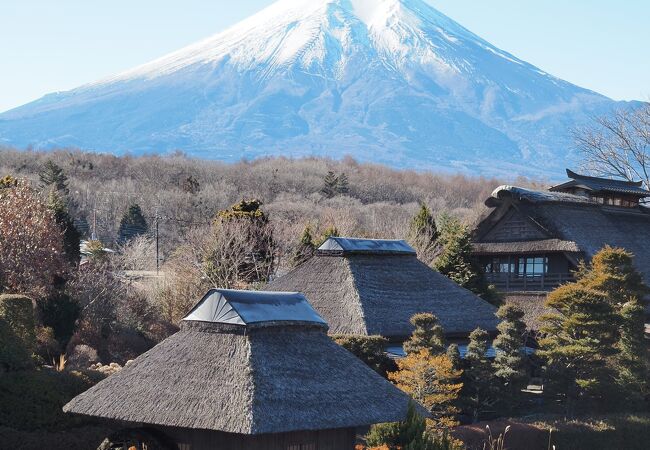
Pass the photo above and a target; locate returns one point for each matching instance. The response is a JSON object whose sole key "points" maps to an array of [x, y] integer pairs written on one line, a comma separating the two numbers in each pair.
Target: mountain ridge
{"points": [[390, 81]]}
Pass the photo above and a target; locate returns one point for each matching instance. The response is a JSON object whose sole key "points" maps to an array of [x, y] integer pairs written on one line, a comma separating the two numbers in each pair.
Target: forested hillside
{"points": [[185, 193]]}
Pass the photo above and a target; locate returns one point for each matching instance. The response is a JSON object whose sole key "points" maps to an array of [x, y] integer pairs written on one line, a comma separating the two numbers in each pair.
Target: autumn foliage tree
{"points": [[432, 381], [31, 242]]}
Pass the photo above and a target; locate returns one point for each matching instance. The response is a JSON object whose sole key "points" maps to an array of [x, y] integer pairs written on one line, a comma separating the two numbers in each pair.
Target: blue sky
{"points": [[48, 45]]}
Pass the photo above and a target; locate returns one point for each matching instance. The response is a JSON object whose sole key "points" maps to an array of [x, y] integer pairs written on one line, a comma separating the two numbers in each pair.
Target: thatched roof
{"points": [[531, 196], [597, 184], [570, 218], [378, 293], [263, 377], [527, 247], [533, 306]]}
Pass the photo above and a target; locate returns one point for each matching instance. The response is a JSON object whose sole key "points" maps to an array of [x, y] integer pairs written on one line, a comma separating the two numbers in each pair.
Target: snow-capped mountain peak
{"points": [[393, 81]]}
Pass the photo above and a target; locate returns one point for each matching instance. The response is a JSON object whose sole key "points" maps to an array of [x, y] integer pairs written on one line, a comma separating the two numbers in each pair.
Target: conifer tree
{"points": [[600, 322], [423, 233], [453, 353], [342, 184], [133, 223], [478, 377], [330, 185], [305, 248], [71, 236], [578, 340], [456, 261], [510, 361], [428, 335], [52, 176], [632, 363]]}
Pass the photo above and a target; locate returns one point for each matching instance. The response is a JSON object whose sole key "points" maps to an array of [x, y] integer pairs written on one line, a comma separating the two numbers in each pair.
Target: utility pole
{"points": [[157, 245]]}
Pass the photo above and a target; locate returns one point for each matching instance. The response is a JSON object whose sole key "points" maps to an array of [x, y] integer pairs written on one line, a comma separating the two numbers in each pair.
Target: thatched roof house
{"points": [[248, 370], [531, 241], [373, 287]]}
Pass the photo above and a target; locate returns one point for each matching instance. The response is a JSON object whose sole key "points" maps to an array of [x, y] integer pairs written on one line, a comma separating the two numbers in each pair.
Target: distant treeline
{"points": [[184, 193]]}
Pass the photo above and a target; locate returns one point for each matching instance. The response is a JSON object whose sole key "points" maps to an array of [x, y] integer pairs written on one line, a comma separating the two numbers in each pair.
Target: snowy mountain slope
{"points": [[391, 81]]}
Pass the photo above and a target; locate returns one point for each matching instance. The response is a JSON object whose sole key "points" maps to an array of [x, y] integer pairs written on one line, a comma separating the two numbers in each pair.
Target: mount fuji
{"points": [[388, 81]]}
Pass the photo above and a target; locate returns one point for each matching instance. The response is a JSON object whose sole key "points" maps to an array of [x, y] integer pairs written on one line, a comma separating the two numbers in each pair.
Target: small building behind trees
{"points": [[374, 287], [531, 241], [248, 370]]}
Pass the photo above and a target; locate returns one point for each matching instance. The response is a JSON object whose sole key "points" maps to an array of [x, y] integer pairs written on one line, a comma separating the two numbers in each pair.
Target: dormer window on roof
{"points": [[621, 193], [343, 245], [246, 308]]}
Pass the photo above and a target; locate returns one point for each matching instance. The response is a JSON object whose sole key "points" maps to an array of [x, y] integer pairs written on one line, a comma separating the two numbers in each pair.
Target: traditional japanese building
{"points": [[248, 370], [374, 287], [531, 241]]}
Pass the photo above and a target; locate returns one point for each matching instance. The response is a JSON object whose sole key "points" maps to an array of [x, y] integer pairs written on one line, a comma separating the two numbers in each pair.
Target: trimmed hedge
{"points": [[33, 400], [18, 312]]}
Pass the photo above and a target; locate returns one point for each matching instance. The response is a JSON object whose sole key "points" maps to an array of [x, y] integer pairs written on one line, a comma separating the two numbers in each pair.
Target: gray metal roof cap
{"points": [[357, 245], [236, 307]]}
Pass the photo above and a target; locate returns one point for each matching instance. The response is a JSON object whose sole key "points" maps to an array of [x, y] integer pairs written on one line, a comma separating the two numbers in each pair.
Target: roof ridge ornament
{"points": [[576, 176]]}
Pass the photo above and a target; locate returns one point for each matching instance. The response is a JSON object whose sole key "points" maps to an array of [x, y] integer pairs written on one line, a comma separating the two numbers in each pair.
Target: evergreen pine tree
{"points": [[600, 322], [510, 361], [52, 176], [411, 434], [428, 335], [71, 236], [423, 233], [478, 393], [578, 340], [342, 184], [632, 363], [132, 224], [330, 185], [453, 353], [456, 260], [305, 248]]}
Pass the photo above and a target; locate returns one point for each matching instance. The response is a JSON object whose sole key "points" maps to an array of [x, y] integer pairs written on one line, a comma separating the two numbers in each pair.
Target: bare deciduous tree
{"points": [[618, 145]]}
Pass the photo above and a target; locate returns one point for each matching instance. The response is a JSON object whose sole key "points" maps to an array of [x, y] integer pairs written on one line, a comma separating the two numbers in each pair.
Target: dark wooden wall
{"points": [[514, 227], [337, 439]]}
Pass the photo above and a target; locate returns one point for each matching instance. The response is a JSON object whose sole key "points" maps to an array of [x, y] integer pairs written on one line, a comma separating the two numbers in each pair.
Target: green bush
{"points": [[82, 438], [18, 312], [13, 353], [33, 400], [60, 313]]}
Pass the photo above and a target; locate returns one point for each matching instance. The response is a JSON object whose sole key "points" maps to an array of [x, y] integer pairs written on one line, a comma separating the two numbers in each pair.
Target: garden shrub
{"points": [[33, 400], [13, 353], [18, 312]]}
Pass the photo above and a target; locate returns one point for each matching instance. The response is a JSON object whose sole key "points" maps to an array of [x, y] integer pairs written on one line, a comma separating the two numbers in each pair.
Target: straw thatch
{"points": [[528, 247], [569, 218], [533, 305], [273, 377], [378, 293]]}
